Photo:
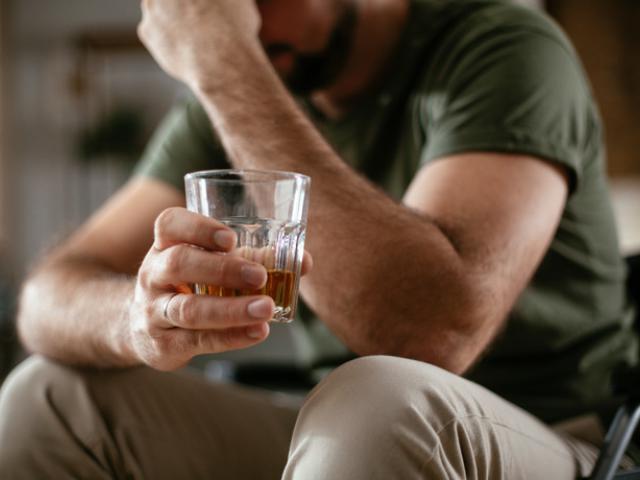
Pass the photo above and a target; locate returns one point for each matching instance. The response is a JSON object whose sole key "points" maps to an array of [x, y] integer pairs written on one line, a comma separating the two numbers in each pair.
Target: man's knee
{"points": [[50, 419], [389, 387], [379, 396], [38, 377], [31, 411], [44, 396], [374, 417], [30, 381]]}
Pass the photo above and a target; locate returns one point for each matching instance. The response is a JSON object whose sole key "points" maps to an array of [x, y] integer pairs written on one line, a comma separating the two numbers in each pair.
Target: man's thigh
{"points": [[61, 422], [386, 417]]}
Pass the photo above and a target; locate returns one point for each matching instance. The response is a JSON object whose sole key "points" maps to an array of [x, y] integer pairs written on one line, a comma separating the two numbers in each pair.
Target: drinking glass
{"points": [[268, 212]]}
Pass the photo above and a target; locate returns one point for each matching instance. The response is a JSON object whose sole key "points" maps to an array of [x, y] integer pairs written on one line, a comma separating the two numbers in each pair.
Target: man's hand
{"points": [[193, 40], [167, 328]]}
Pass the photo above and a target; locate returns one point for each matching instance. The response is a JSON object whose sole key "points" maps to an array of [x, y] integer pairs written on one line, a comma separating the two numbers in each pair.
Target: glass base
{"points": [[282, 315]]}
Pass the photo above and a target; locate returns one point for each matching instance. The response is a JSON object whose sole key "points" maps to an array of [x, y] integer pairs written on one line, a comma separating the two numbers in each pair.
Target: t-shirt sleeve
{"points": [[184, 142], [511, 90]]}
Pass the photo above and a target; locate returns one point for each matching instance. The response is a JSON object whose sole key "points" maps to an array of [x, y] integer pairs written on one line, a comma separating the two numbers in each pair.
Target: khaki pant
{"points": [[373, 418]]}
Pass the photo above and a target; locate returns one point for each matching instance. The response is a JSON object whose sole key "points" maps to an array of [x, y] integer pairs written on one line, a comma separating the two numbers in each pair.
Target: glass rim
{"points": [[258, 175]]}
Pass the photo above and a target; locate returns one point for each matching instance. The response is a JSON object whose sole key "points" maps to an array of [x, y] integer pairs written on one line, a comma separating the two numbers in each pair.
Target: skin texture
{"points": [[432, 278]]}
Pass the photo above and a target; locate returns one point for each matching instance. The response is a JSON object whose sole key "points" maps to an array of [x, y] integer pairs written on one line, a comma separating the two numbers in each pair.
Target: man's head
{"points": [[308, 41]]}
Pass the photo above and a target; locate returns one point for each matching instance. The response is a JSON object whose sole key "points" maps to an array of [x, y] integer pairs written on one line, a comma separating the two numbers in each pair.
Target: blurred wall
{"points": [[606, 34], [3, 138], [59, 84]]}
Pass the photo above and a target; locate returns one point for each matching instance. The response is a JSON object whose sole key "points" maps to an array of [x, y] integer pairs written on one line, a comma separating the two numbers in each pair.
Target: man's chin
{"points": [[305, 73]]}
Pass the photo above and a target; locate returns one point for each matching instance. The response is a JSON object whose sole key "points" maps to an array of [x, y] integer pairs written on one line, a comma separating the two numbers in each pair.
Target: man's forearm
{"points": [[372, 254], [75, 311]]}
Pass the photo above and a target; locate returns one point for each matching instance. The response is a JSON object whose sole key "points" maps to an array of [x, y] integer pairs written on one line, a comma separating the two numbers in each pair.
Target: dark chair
{"points": [[8, 337], [627, 417]]}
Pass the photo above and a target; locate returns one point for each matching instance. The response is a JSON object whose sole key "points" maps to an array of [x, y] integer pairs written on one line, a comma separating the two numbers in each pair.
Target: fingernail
{"points": [[254, 275], [225, 239], [262, 308], [257, 331]]}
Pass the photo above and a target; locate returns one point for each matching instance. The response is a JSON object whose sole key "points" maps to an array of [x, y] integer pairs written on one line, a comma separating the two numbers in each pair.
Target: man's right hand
{"points": [[167, 328]]}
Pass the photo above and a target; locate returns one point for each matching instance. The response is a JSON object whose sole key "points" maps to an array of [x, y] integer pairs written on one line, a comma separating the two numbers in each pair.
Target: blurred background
{"points": [[79, 97]]}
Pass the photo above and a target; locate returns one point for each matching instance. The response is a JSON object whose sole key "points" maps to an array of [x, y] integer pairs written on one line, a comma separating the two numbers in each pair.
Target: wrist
{"points": [[234, 66], [121, 336]]}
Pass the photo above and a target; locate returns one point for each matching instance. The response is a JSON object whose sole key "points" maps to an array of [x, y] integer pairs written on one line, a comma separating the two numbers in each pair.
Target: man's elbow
{"points": [[454, 355], [27, 317], [452, 338], [36, 308]]}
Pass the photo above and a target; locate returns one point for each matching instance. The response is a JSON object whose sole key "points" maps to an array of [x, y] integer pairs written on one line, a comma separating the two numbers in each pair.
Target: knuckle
{"points": [[200, 341], [186, 311], [163, 222], [226, 267], [174, 260], [203, 230], [148, 311], [227, 339], [160, 353], [163, 219], [164, 345], [216, 269], [228, 312], [145, 276]]}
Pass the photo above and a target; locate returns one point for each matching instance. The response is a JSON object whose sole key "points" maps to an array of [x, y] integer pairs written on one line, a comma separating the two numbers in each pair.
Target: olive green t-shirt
{"points": [[485, 75]]}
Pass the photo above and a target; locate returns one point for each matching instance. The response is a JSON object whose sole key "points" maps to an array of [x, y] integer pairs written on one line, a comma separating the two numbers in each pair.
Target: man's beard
{"points": [[315, 71]]}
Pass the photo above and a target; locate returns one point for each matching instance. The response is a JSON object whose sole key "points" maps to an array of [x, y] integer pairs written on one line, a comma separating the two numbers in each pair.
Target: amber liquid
{"points": [[280, 286]]}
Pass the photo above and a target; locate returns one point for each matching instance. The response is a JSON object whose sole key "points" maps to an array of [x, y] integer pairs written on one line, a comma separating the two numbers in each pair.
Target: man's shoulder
{"points": [[465, 38], [470, 19]]}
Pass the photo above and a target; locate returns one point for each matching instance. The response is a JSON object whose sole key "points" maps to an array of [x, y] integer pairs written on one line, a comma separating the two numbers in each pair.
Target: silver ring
{"points": [[165, 312]]}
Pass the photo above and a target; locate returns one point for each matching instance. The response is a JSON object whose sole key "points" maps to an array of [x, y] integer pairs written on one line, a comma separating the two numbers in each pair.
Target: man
{"points": [[491, 253]]}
